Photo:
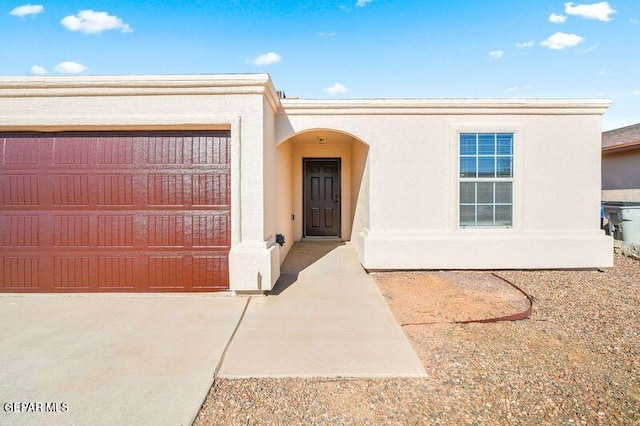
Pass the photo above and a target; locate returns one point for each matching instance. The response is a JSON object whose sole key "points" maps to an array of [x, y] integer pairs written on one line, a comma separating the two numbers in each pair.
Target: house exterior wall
{"points": [[399, 166], [621, 175], [284, 196], [413, 183], [359, 192]]}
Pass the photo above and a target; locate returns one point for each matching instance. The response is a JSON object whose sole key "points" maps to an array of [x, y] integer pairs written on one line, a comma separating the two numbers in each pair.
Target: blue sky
{"points": [[345, 48]]}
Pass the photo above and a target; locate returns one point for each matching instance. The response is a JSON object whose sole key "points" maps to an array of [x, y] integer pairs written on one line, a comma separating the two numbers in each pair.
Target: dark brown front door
{"points": [[322, 197]]}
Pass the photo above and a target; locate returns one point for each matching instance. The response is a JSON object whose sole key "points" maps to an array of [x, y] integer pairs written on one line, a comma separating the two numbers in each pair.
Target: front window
{"points": [[486, 180]]}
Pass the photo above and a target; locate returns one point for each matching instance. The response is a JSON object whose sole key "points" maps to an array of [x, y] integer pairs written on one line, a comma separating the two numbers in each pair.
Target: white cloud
{"points": [[266, 59], [327, 35], [601, 11], [362, 3], [38, 70], [557, 19], [27, 9], [336, 89], [633, 21], [496, 54], [560, 41], [92, 22], [636, 92], [525, 44], [602, 72], [70, 67]]}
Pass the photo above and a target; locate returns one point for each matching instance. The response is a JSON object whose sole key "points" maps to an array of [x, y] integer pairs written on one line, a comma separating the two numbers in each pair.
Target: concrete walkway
{"points": [[112, 359], [326, 317]]}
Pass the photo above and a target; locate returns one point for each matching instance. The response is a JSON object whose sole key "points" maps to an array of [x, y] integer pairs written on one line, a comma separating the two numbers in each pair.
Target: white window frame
{"points": [[492, 180]]}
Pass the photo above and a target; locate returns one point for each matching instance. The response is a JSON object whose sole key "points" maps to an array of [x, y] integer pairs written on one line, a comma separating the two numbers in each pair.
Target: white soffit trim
{"points": [[445, 106]]}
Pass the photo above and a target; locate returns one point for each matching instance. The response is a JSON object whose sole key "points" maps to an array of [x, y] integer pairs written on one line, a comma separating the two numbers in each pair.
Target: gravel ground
{"points": [[576, 360]]}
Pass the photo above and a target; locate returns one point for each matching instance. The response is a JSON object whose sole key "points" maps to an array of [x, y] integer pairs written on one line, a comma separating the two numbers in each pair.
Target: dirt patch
{"points": [[445, 297]]}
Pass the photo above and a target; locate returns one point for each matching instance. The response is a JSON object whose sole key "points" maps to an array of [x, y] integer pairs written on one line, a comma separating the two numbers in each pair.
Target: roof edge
{"points": [[371, 106], [124, 85], [116, 80], [621, 147]]}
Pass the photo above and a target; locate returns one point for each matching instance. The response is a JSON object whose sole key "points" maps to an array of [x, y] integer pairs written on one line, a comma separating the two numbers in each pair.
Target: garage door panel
{"points": [[115, 230], [210, 150], [165, 189], [211, 230], [25, 150], [210, 189], [135, 230], [167, 271], [20, 273], [166, 150], [211, 271], [116, 273], [155, 271], [115, 212], [114, 150], [197, 150], [104, 190], [74, 150], [20, 230], [20, 189], [115, 189], [71, 273], [71, 190], [166, 231], [71, 231]]}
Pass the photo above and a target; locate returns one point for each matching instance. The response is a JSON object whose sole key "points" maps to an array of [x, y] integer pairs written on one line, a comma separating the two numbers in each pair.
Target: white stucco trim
{"points": [[478, 249], [125, 122], [236, 177], [140, 85], [443, 106], [290, 136]]}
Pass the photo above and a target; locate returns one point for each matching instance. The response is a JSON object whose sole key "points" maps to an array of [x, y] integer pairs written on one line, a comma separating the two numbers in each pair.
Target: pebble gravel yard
{"points": [[575, 360]]}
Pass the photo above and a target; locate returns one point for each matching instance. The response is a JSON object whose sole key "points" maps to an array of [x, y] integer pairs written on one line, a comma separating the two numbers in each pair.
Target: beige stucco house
{"points": [[621, 164], [184, 183]]}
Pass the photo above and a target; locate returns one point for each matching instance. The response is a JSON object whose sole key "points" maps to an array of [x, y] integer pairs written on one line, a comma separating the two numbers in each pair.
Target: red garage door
{"points": [[136, 212]]}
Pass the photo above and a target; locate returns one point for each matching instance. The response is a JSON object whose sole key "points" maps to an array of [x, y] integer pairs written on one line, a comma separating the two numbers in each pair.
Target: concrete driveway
{"points": [[151, 359], [110, 359]]}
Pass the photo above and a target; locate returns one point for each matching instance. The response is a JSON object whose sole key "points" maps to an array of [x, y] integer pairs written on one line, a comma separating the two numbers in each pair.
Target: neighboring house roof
{"points": [[621, 139]]}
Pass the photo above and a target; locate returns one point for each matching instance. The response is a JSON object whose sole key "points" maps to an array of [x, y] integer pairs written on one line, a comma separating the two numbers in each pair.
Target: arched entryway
{"points": [[324, 178]]}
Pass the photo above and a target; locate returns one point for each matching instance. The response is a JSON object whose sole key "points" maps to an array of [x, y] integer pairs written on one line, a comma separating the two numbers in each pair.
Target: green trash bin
{"points": [[624, 220]]}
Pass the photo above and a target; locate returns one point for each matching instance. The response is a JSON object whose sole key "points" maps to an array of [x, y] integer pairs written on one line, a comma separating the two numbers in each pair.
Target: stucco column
{"points": [[252, 259]]}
